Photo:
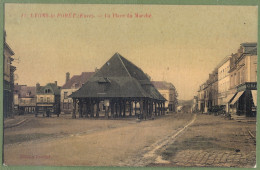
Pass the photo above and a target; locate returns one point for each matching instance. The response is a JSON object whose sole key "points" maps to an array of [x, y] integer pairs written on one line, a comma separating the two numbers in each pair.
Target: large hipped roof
{"points": [[118, 78]]}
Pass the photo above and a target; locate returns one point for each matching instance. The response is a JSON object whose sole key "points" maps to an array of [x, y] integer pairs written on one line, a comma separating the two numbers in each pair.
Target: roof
{"points": [[253, 51], [163, 85], [249, 44], [249, 47], [78, 79], [9, 49], [52, 86], [24, 91], [118, 77], [223, 61]]}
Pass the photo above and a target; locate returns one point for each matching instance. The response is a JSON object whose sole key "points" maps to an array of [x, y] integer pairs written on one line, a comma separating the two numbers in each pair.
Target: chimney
{"points": [[55, 83], [67, 77], [37, 87]]}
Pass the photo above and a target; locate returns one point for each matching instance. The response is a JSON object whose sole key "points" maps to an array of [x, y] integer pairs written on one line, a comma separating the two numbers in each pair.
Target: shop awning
{"points": [[228, 98], [237, 97], [254, 95]]}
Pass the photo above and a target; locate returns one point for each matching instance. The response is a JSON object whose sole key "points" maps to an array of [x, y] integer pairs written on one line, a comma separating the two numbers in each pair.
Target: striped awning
{"points": [[254, 95], [238, 95], [228, 98]]}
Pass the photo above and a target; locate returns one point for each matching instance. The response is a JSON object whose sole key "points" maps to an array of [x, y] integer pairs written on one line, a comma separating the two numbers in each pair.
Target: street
{"points": [[176, 139]]}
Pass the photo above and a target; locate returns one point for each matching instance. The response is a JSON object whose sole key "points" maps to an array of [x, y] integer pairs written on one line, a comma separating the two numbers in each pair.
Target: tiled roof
{"points": [[249, 44], [54, 89], [78, 79], [122, 79], [163, 85], [24, 91], [8, 47]]}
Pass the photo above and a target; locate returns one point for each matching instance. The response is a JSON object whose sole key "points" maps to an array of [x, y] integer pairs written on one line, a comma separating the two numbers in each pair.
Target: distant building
{"points": [[168, 91], [194, 107], [72, 85], [201, 97], [48, 98], [24, 99], [224, 94], [233, 83], [8, 84]]}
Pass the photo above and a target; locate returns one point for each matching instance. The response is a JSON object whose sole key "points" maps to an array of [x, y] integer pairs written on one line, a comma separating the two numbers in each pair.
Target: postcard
{"points": [[129, 85]]}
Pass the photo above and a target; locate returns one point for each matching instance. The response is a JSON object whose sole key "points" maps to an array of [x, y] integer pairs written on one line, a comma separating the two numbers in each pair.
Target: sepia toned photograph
{"points": [[129, 85]]}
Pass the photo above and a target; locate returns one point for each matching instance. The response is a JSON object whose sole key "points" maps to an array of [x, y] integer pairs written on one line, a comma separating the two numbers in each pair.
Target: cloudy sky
{"points": [[178, 44]]}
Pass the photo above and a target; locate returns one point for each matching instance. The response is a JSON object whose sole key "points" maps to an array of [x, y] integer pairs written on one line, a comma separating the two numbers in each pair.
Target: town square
{"points": [[130, 85]]}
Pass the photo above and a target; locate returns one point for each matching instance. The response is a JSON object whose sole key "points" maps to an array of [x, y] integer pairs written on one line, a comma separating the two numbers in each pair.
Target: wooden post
{"points": [[124, 107], [145, 109], [164, 108], [80, 108], [120, 108], [106, 103], [91, 108], [116, 108], [155, 108], [130, 109], [97, 108], [135, 108], [106, 112], [111, 108], [141, 108], [161, 108], [86, 109], [151, 108], [74, 109]]}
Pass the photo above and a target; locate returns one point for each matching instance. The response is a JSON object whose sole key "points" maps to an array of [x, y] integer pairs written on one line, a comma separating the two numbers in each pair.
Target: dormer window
{"points": [[28, 94], [76, 85], [47, 91]]}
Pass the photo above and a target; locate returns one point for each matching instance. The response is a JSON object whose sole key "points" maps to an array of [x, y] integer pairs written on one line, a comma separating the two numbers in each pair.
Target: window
{"points": [[41, 99], [76, 85], [48, 100], [47, 91], [65, 95]]}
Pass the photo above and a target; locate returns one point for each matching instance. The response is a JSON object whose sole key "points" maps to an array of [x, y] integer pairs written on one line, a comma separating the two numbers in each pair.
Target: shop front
{"points": [[244, 102]]}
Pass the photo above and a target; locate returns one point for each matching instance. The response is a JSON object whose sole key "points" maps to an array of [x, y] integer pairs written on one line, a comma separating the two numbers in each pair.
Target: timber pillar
{"points": [[74, 109]]}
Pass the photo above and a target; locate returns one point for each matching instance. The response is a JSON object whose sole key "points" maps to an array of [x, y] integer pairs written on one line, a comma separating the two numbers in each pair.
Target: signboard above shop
{"points": [[247, 86]]}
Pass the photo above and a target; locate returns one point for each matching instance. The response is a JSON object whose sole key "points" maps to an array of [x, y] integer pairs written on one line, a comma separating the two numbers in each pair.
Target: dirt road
{"points": [[64, 142]]}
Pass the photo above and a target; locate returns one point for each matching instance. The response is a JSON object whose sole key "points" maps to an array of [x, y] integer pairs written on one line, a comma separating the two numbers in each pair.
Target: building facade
{"points": [[24, 99], [232, 84], [201, 97], [48, 99], [72, 85], [169, 92], [243, 81], [8, 84], [224, 94]]}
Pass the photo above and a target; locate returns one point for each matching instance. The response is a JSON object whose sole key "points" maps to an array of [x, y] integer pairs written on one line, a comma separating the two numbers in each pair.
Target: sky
{"points": [[178, 44]]}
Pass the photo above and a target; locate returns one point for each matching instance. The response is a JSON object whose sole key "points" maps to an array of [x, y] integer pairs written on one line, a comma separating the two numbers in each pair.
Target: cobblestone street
{"points": [[213, 141]]}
